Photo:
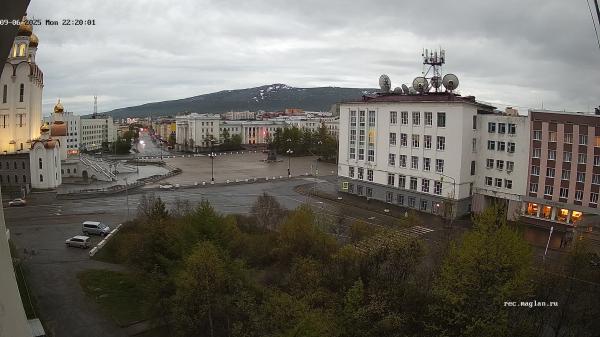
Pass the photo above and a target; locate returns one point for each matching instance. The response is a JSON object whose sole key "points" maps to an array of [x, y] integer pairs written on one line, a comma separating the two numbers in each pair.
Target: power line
{"points": [[594, 21]]}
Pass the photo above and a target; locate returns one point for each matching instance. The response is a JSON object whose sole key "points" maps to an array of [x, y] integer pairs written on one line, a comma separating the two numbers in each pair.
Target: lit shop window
{"points": [[532, 209], [576, 216], [546, 212], [562, 215]]}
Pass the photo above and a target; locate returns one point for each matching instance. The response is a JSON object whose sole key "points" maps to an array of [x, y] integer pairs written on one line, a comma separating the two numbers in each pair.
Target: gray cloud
{"points": [[506, 52]]}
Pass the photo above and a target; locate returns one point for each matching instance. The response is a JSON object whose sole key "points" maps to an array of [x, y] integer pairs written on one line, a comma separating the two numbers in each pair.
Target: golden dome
{"points": [[33, 40], [58, 108], [45, 128], [25, 29]]}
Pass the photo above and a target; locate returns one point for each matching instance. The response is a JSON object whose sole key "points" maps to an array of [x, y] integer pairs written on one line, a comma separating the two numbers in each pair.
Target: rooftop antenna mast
{"points": [[433, 60], [95, 105]]}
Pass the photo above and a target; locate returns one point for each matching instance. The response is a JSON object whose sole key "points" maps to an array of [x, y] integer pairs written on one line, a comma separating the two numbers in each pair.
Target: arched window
{"points": [[22, 50], [41, 178], [16, 178], [24, 178], [40, 162], [21, 92], [5, 93], [15, 50], [69, 171], [23, 165]]}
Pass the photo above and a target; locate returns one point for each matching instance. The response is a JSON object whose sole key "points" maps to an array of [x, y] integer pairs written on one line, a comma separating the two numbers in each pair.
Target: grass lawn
{"points": [[118, 294]]}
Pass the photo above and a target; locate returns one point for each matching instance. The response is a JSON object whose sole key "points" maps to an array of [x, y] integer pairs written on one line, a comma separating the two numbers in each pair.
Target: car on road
{"points": [[17, 202], [95, 227], [165, 186], [78, 241]]}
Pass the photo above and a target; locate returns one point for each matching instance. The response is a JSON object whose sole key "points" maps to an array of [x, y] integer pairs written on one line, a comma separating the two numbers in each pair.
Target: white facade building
{"points": [[96, 130], [502, 162], [195, 129], [411, 150]]}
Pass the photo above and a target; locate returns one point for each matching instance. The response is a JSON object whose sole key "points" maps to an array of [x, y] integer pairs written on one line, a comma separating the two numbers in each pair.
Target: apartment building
{"points": [[411, 150], [563, 177], [96, 130]]}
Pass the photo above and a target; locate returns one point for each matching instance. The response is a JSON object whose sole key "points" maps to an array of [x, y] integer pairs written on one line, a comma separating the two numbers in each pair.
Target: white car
{"points": [[78, 241], [165, 186], [17, 202]]}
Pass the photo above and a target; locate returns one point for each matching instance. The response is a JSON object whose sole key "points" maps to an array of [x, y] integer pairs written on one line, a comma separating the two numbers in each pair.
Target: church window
{"points": [[4, 93], [22, 50], [21, 92], [40, 163], [41, 178]]}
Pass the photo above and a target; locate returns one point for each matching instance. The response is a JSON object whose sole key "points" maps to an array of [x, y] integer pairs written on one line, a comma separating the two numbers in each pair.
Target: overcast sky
{"points": [[510, 52]]}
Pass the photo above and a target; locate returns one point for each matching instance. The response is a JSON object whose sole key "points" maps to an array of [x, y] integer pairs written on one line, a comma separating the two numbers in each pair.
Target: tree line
{"points": [[305, 142], [275, 272]]}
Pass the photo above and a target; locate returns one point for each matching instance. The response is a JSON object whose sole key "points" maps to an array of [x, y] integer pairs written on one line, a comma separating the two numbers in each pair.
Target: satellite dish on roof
{"points": [[450, 82], [435, 82], [385, 83], [411, 91], [405, 89], [420, 84], [397, 90]]}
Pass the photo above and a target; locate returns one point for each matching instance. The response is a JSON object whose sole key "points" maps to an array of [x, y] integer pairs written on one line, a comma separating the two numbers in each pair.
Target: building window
{"points": [[498, 182], [371, 156], [402, 160], [423, 205], [510, 166], [4, 93], [371, 118], [596, 179], [361, 175], [501, 127], [567, 156], [350, 188], [439, 165], [361, 154], [582, 139], [416, 118], [533, 187], [427, 164], [512, 129], [472, 167], [352, 153], [508, 184], [581, 158], [580, 177], [537, 134], [392, 138], [21, 92], [501, 146], [391, 179], [564, 192], [427, 141], [369, 192], [400, 199], [500, 164], [351, 172], [437, 187], [551, 154], [404, 117], [411, 202], [491, 127], [353, 118], [425, 185], [41, 178], [414, 162], [391, 159], [415, 141], [474, 145], [475, 122], [413, 183], [568, 138], [403, 139], [552, 136], [535, 170], [393, 117], [511, 147], [389, 197], [359, 190], [441, 119], [361, 119], [550, 172], [597, 141], [441, 143], [578, 195], [596, 160], [370, 175], [594, 198], [428, 118], [402, 181], [40, 163], [491, 145], [548, 190], [489, 163], [565, 175]]}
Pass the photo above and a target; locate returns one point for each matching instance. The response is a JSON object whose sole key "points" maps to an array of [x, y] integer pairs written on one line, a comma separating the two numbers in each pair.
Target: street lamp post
{"points": [[289, 153], [127, 197], [212, 156]]}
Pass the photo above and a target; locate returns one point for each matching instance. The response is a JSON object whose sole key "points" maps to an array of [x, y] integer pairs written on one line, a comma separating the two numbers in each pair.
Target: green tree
{"points": [[489, 266]]}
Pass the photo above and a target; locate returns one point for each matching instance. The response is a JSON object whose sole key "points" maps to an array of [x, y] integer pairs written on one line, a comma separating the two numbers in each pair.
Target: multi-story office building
{"points": [[564, 169], [411, 150], [502, 158], [196, 130], [95, 131]]}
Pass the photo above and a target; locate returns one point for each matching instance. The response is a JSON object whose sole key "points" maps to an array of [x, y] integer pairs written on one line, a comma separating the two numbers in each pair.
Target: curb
{"points": [[103, 242]]}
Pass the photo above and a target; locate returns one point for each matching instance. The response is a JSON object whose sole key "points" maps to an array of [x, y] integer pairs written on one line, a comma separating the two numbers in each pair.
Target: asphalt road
{"points": [[40, 228]]}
